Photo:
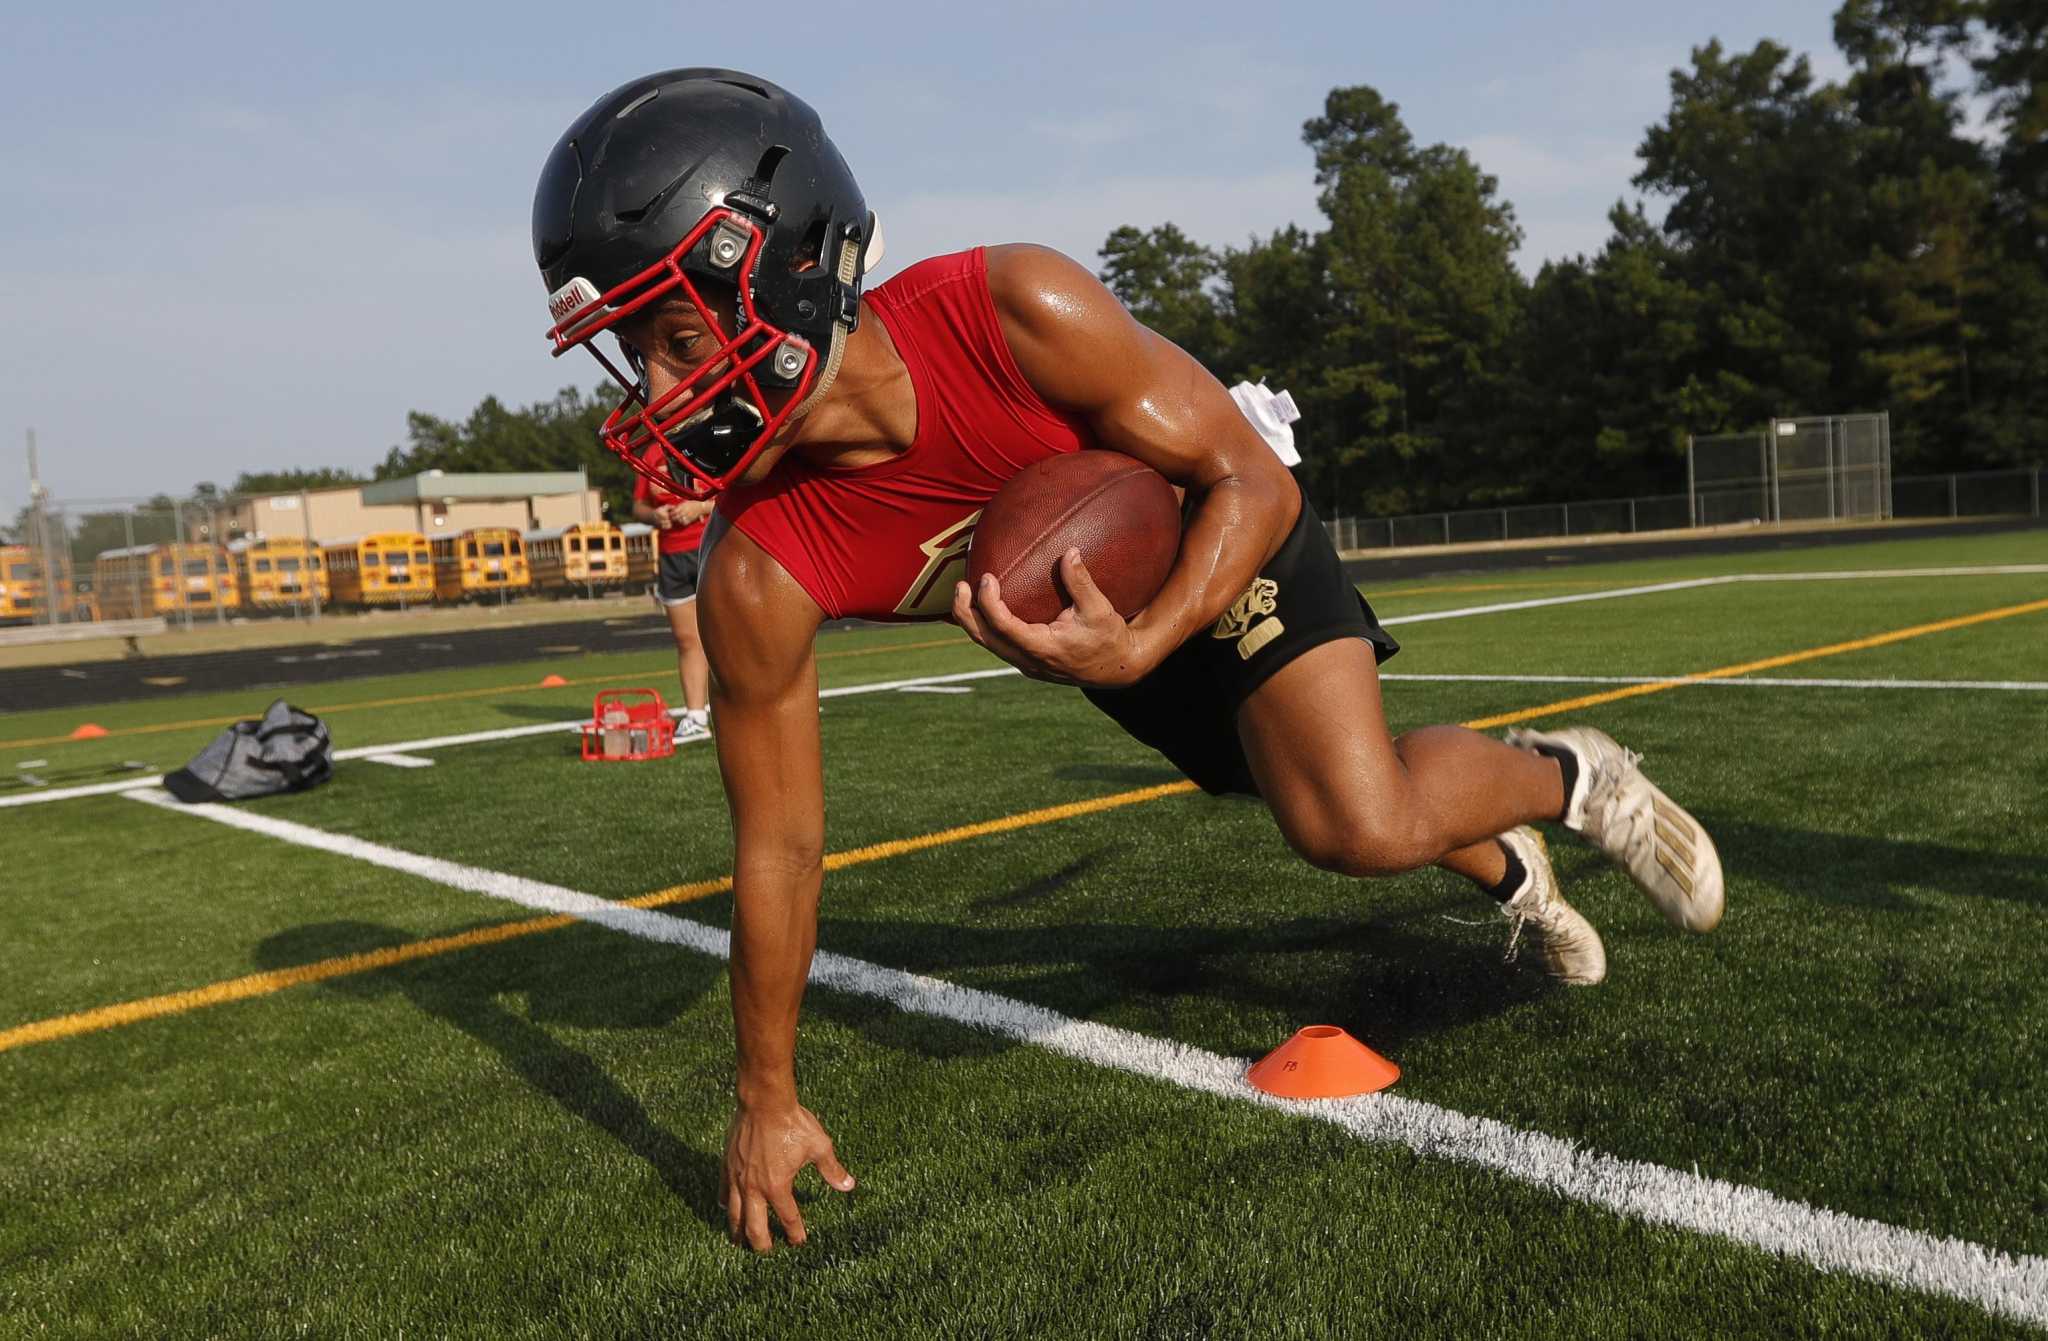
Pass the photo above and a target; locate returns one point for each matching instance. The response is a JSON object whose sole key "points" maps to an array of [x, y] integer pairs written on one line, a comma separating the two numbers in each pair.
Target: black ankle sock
{"points": [[1568, 765], [1511, 883]]}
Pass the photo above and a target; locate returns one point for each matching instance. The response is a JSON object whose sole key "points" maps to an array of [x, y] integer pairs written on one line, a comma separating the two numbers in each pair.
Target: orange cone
{"points": [[553, 682], [89, 731], [1322, 1062]]}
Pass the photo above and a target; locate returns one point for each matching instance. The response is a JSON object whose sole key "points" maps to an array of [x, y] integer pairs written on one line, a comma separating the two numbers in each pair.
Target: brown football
{"points": [[1122, 515]]}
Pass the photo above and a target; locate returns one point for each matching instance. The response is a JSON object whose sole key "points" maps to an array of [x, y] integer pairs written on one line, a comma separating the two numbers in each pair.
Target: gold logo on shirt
{"points": [[1249, 618], [931, 595]]}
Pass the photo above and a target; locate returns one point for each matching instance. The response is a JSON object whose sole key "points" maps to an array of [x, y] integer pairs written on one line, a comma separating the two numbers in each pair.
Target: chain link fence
{"points": [[1604, 516], [1726, 501], [83, 560]]}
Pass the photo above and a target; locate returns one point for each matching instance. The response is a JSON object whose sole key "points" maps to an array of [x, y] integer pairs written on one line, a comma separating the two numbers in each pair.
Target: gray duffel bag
{"points": [[286, 751]]}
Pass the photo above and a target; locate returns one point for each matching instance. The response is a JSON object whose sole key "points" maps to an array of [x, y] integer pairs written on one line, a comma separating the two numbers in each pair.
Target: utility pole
{"points": [[39, 535], [316, 568]]}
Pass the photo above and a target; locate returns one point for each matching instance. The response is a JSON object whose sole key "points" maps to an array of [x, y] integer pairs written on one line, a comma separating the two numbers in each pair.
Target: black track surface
{"points": [[313, 663]]}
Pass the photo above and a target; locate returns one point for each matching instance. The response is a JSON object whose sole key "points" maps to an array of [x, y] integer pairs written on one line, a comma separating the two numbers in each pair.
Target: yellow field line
{"points": [[447, 696], [276, 980], [1749, 667], [262, 984]]}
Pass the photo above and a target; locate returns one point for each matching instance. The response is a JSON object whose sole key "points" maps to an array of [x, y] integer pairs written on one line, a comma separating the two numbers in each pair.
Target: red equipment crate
{"points": [[629, 724]]}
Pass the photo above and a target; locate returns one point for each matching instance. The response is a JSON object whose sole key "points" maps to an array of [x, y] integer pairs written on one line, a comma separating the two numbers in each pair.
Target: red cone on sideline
{"points": [[89, 731], [1322, 1062], [553, 682]]}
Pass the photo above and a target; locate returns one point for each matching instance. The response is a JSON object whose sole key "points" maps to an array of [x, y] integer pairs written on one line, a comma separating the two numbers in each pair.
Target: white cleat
{"points": [[693, 723], [1571, 949], [1645, 832]]}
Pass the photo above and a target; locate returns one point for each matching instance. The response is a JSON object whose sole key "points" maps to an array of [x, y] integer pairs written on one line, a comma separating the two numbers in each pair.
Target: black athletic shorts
{"points": [[1187, 708], [675, 581]]}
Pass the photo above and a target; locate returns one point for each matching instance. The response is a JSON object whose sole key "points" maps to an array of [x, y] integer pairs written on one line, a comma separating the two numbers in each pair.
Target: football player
{"points": [[700, 234]]}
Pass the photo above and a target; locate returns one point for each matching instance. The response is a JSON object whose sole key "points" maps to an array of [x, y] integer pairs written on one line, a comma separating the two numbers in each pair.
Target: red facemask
{"points": [[714, 422]]}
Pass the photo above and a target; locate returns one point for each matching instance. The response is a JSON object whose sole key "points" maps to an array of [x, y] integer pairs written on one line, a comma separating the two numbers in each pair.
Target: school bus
{"points": [[277, 573], [640, 555], [588, 554], [479, 562], [22, 585], [147, 580], [383, 568]]}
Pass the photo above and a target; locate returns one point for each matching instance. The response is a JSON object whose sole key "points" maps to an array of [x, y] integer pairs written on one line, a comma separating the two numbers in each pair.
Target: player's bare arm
{"points": [[1140, 394], [759, 627]]}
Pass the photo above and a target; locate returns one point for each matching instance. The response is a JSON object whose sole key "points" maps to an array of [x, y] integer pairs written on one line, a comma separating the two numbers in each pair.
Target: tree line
{"points": [[1807, 247], [1811, 248]]}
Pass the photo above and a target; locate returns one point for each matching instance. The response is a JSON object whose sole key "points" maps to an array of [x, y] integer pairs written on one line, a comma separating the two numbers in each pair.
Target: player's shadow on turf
{"points": [[1389, 980], [460, 991], [1866, 872]]}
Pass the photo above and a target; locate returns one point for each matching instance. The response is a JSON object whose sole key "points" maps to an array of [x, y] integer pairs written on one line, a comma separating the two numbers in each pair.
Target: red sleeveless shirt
{"points": [[888, 541]]}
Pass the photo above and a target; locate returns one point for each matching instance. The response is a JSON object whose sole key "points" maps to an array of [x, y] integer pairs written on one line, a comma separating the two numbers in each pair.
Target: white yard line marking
{"points": [[400, 760], [1689, 584], [2014, 1286], [1737, 682], [935, 689], [1612, 593]]}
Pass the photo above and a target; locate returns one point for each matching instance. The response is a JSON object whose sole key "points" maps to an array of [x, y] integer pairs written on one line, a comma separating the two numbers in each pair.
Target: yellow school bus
{"points": [[146, 580], [480, 562], [576, 558], [277, 572], [640, 554], [383, 568], [23, 585]]}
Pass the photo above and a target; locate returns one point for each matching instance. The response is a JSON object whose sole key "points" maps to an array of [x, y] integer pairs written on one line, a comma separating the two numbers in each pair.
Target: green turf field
{"points": [[492, 1126]]}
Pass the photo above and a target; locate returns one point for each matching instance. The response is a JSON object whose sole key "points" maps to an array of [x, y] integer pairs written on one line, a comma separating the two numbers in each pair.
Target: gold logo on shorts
{"points": [[1257, 603]]}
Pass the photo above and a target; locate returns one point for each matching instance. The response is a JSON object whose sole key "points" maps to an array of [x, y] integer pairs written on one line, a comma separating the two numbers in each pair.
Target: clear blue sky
{"points": [[238, 236]]}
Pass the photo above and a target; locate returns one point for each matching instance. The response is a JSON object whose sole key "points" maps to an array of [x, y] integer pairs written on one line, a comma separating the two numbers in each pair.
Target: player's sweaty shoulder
{"points": [[1039, 292], [1071, 338]]}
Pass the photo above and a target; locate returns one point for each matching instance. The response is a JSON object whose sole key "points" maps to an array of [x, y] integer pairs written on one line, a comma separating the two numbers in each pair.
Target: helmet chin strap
{"points": [[854, 261]]}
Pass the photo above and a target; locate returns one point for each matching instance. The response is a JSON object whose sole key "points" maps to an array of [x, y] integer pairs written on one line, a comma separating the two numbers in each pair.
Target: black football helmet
{"points": [[694, 176]]}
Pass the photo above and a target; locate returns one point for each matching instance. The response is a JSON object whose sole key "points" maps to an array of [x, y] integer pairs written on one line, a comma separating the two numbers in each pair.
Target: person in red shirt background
{"points": [[678, 516]]}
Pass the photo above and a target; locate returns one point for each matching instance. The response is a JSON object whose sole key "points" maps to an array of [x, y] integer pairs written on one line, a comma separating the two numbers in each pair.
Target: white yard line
{"points": [[1733, 682], [400, 760], [2013, 1286], [1611, 593]]}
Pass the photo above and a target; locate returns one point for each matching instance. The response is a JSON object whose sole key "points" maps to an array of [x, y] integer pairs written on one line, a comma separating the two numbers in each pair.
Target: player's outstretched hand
{"points": [[1089, 644], [764, 1152]]}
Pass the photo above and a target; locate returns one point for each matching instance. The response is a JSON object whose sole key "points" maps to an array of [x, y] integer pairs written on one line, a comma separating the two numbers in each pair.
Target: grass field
{"points": [[257, 1087]]}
